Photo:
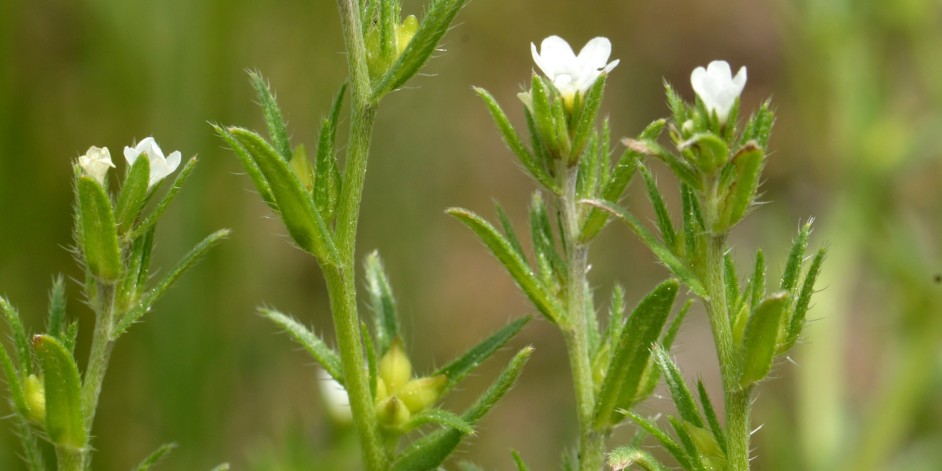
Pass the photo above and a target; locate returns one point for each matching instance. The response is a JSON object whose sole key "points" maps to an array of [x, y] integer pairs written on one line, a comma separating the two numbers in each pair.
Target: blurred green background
{"points": [[858, 145]]}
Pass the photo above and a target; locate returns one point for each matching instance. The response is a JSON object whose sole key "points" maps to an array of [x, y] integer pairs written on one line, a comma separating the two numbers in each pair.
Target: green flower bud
{"points": [[405, 32], [392, 413], [421, 393], [35, 399], [394, 368]]}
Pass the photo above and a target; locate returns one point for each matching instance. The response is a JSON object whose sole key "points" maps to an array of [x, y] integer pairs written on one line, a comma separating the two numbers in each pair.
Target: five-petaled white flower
{"points": [[160, 166], [96, 162], [335, 397], [717, 87], [572, 74]]}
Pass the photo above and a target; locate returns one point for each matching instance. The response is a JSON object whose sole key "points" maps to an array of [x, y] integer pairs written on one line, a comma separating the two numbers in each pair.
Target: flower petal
{"points": [[555, 56], [595, 53]]}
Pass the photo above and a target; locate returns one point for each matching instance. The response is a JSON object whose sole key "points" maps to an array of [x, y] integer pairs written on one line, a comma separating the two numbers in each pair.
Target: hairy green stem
{"points": [[98, 357], [341, 279], [736, 399], [576, 330]]}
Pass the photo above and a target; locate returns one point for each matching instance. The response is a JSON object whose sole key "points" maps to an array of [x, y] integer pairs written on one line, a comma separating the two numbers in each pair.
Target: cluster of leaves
{"points": [[114, 242]]}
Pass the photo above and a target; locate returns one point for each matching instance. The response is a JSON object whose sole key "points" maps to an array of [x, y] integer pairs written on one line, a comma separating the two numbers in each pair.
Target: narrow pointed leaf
{"points": [[516, 265], [465, 364], [434, 25], [623, 458], [712, 420], [155, 457], [683, 399], [676, 104], [631, 353], [509, 233], [55, 324], [759, 126], [663, 438], [679, 166], [512, 140], [327, 174], [20, 341], [382, 302], [664, 223], [317, 348], [64, 420], [552, 267], [612, 192], [187, 262], [797, 321], [151, 219], [585, 122], [693, 454], [248, 162], [543, 115], [133, 194], [731, 280], [652, 373], [273, 118], [665, 255], [429, 451], [795, 258], [518, 460], [13, 383], [98, 234], [296, 206], [760, 339]]}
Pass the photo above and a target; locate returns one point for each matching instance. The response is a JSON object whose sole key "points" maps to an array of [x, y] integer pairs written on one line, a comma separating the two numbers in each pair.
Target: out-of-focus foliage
{"points": [[858, 90]]}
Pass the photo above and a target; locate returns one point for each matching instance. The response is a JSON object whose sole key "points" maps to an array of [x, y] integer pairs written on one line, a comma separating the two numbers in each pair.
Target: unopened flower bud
{"points": [[421, 393], [35, 399], [392, 413], [96, 162], [394, 368]]}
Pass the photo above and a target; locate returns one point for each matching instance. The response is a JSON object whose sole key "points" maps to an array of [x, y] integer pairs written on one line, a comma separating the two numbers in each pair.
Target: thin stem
{"points": [[736, 399], [100, 354], [341, 280], [576, 330]]}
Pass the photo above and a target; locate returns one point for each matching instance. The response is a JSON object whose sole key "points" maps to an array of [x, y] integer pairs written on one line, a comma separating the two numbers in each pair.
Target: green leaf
{"points": [[327, 174], [758, 280], [519, 269], [151, 219], [666, 441], [631, 353], [612, 192], [327, 357], [508, 228], [795, 258], [296, 206], [20, 342], [248, 162], [623, 458], [759, 126], [651, 373], [57, 303], [710, 151], [679, 166], [512, 140], [187, 262], [436, 22], [543, 116], [466, 363], [747, 164], [585, 120], [664, 254], [441, 417], [371, 358], [681, 430], [98, 234], [683, 399], [664, 223], [676, 104], [17, 394], [155, 457], [797, 321], [431, 450], [518, 460], [133, 194], [276, 123], [553, 271], [731, 280], [64, 421], [711, 417], [382, 302], [760, 340]]}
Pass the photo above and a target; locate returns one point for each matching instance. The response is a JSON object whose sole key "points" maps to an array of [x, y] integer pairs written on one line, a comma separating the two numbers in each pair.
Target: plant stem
{"points": [[99, 355], [341, 280], [70, 459], [736, 398], [591, 441]]}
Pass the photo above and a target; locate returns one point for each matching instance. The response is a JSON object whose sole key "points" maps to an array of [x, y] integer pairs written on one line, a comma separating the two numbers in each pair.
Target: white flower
{"points": [[572, 74], [717, 87], [96, 162], [335, 397], [160, 166]]}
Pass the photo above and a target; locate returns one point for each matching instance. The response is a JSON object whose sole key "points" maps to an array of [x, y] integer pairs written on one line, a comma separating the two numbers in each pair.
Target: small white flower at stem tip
{"points": [[335, 397], [160, 166], [96, 162], [572, 74], [717, 88]]}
